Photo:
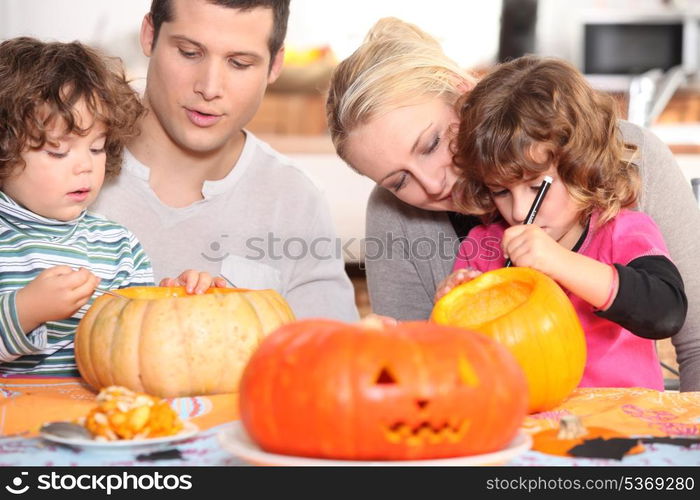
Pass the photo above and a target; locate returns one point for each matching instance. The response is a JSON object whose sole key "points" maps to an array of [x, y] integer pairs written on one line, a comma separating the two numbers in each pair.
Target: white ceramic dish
{"points": [[188, 431], [235, 440]]}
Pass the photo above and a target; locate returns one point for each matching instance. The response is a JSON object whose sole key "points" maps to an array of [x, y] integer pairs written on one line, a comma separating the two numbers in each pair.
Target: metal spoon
{"points": [[109, 292], [228, 281], [66, 430]]}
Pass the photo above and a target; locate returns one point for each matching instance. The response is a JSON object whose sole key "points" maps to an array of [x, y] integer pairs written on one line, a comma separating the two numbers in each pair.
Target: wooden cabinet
{"points": [[677, 123], [304, 113], [684, 107], [291, 113]]}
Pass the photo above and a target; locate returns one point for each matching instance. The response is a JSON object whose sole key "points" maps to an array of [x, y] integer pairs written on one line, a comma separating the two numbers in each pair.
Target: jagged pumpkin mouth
{"points": [[426, 432]]}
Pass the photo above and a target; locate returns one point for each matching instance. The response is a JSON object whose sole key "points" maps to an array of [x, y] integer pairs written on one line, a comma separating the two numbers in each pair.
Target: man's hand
{"points": [[56, 293], [195, 282]]}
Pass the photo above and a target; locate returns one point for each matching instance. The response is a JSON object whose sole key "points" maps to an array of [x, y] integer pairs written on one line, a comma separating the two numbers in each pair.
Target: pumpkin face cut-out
{"points": [[530, 314], [326, 389], [166, 343]]}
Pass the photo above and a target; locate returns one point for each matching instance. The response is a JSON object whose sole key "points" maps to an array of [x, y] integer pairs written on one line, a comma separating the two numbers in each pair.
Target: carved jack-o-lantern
{"points": [[321, 388]]}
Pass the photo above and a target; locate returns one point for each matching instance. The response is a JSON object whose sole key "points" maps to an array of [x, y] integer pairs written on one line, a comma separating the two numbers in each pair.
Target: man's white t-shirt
{"points": [[265, 225]]}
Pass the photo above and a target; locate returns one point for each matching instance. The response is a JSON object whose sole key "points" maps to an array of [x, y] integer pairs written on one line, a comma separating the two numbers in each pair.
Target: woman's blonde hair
{"points": [[534, 101], [397, 63]]}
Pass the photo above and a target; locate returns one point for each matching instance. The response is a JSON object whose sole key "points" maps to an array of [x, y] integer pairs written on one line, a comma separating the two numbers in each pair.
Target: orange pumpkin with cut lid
{"points": [[530, 314], [164, 342]]}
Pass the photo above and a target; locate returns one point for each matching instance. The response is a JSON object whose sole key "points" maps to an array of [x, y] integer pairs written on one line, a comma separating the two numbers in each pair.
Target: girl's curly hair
{"points": [[533, 101], [41, 84]]}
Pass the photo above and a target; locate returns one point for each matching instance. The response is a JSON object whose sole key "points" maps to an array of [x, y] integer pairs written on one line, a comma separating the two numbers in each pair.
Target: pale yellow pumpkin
{"points": [[531, 315], [166, 343]]}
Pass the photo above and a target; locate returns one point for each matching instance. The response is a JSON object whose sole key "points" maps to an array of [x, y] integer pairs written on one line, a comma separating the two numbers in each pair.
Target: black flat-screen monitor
{"points": [[631, 49]]}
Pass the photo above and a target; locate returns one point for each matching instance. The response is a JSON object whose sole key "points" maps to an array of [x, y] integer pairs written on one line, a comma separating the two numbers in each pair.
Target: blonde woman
{"points": [[392, 118]]}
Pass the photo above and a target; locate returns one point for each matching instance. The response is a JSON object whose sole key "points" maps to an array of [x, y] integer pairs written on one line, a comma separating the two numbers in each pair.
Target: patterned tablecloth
{"points": [[26, 403]]}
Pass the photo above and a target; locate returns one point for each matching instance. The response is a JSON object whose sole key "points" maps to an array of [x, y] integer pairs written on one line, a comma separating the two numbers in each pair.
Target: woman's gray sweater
{"points": [[409, 250]]}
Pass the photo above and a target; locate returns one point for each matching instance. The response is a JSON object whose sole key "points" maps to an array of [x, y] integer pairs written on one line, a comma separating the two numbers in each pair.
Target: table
{"points": [[26, 403]]}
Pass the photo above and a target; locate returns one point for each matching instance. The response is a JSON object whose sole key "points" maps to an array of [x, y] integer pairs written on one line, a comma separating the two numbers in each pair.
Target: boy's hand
{"points": [[195, 282], [456, 278], [56, 293], [529, 245]]}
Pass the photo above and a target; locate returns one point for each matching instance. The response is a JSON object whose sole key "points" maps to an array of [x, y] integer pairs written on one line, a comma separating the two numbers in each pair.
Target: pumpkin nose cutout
{"points": [[385, 377], [421, 403]]}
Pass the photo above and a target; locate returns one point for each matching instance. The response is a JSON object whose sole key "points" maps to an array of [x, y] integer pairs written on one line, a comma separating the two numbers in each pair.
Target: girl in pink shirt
{"points": [[535, 117]]}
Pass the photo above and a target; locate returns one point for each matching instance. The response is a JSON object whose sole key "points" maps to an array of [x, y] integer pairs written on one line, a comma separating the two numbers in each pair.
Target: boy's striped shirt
{"points": [[29, 244]]}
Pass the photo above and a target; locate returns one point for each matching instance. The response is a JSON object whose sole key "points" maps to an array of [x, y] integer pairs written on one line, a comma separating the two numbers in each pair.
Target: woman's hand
{"points": [[456, 278], [56, 293], [195, 282], [378, 321]]}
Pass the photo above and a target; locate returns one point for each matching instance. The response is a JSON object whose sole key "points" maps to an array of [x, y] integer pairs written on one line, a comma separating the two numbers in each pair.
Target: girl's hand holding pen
{"points": [[532, 213], [528, 245]]}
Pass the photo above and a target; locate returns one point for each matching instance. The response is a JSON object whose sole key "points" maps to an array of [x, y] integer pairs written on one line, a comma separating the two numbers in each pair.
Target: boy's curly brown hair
{"points": [[41, 84], [534, 100]]}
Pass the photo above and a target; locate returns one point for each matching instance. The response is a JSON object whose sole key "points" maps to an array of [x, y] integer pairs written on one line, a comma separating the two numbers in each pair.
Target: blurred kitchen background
{"points": [[644, 52]]}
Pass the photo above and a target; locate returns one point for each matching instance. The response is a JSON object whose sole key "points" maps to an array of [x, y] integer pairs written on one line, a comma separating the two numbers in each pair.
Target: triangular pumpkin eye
{"points": [[385, 377]]}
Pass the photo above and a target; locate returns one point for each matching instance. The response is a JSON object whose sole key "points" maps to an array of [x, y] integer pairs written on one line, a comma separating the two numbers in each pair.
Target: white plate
{"points": [[189, 429], [235, 439]]}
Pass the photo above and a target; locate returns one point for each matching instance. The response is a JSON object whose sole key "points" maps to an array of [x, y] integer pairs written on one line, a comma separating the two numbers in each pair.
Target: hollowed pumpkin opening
{"points": [[164, 292], [472, 306]]}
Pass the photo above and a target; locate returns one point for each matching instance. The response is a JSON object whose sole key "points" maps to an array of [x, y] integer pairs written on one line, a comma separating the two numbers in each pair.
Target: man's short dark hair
{"points": [[162, 12]]}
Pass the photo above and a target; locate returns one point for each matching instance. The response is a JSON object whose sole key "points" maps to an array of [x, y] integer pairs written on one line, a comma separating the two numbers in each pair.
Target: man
{"points": [[201, 192]]}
